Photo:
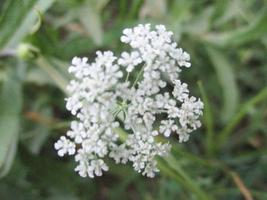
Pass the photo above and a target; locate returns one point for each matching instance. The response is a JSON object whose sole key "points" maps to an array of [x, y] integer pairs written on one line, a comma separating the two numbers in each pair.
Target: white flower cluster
{"points": [[129, 93]]}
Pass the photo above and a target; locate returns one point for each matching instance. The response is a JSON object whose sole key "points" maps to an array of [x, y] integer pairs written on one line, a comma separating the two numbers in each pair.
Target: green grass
{"points": [[227, 41]]}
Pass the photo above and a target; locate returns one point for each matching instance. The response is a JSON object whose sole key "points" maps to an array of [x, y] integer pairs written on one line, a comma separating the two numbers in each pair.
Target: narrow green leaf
{"points": [[10, 107], [225, 74], [38, 24], [183, 178], [262, 95], [219, 9], [90, 17], [12, 15], [135, 7], [208, 120], [123, 8], [199, 24], [10, 155], [19, 19], [253, 31]]}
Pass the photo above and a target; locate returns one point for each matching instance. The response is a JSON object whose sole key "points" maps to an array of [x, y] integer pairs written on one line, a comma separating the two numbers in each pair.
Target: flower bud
{"points": [[26, 51]]}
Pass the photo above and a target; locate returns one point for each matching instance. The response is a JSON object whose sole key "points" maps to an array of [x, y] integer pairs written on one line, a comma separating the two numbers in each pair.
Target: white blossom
{"points": [[167, 127], [130, 60], [129, 93], [65, 146]]}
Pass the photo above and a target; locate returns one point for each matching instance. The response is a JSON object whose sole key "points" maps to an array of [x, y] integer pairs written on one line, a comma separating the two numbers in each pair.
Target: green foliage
{"points": [[227, 41], [226, 78], [10, 107], [18, 19]]}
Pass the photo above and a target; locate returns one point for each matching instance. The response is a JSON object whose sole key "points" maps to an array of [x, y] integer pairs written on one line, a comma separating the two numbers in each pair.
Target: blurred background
{"points": [[227, 41]]}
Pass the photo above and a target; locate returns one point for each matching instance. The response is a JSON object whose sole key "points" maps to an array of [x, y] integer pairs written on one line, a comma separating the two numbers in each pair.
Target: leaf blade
{"points": [[19, 19], [10, 107], [225, 74], [253, 31]]}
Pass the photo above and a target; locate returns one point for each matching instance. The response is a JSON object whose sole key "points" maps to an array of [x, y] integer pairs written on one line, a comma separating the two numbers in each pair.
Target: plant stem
{"points": [[208, 120], [183, 178], [53, 73], [127, 76], [138, 76]]}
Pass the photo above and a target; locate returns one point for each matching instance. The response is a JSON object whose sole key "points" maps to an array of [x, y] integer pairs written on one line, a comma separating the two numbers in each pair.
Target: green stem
{"points": [[127, 76], [53, 73], [208, 120], [182, 177], [134, 8], [122, 10], [138, 76], [61, 125]]}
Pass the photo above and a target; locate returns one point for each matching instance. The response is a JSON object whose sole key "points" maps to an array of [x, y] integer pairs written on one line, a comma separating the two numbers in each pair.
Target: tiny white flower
{"points": [[64, 146], [106, 95], [98, 166], [78, 66], [78, 132], [129, 60], [180, 91], [167, 127]]}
